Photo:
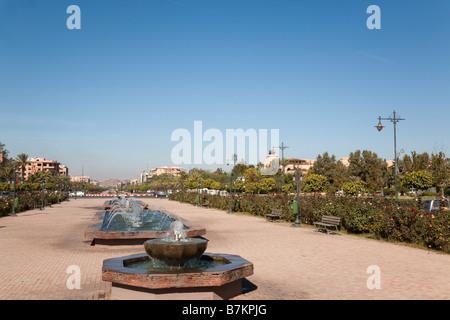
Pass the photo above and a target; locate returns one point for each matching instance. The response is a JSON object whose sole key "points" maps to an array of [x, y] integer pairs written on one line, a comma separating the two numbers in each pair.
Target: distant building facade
{"points": [[303, 164], [86, 179], [171, 171], [291, 164], [41, 164]]}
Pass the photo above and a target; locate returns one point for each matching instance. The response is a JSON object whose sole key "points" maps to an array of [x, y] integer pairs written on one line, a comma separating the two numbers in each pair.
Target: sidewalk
{"points": [[37, 248]]}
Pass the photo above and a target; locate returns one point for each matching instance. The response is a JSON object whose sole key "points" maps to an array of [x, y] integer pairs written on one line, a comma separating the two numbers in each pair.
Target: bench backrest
{"points": [[277, 211], [331, 219]]}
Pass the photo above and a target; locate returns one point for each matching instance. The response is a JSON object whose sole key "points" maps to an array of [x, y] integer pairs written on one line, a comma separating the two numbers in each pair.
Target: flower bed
{"points": [[378, 216]]}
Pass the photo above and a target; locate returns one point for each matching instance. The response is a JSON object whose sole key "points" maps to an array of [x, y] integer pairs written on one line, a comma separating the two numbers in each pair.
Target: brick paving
{"points": [[37, 248]]}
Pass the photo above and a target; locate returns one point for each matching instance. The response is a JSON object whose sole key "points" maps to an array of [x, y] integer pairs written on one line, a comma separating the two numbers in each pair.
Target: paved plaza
{"points": [[38, 248]]}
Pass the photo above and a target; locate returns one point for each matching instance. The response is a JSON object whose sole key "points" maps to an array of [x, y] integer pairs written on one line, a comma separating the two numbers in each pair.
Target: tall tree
{"points": [[368, 167], [439, 169], [326, 166], [341, 175], [415, 162], [22, 161], [3, 156]]}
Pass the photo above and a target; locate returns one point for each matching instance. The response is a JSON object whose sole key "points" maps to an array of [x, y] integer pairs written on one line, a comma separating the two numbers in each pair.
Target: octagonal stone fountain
{"points": [[176, 267]]}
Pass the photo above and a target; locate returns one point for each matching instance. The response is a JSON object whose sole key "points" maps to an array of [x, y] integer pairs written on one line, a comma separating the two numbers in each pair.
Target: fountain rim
{"points": [[115, 270], [168, 241]]}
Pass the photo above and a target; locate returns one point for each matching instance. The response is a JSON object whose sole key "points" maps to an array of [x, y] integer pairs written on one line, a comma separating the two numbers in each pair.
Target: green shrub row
{"points": [[27, 202], [378, 217], [27, 186]]}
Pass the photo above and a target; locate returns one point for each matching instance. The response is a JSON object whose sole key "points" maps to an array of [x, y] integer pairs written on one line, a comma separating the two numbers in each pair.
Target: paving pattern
{"points": [[39, 250]]}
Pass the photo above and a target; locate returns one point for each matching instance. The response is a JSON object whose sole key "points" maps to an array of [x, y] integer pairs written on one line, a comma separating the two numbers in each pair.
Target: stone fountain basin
{"points": [[176, 253], [229, 269]]}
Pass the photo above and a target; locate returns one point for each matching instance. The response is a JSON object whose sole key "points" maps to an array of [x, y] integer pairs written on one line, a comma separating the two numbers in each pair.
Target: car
{"points": [[161, 194], [435, 205], [77, 194], [4, 194]]}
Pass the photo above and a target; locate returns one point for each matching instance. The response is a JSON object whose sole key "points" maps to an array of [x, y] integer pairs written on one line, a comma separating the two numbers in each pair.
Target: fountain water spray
{"points": [[176, 231]]}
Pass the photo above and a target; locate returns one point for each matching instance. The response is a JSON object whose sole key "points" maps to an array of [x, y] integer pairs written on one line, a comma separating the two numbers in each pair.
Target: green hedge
{"points": [[27, 201], [378, 217], [27, 186]]}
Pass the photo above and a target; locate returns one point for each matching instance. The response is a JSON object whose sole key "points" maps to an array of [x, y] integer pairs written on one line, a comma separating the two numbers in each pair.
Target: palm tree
{"points": [[40, 176], [2, 153], [22, 161], [6, 173]]}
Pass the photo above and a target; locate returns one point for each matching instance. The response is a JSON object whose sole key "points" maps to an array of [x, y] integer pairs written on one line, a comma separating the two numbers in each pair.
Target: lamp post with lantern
{"points": [[394, 119]]}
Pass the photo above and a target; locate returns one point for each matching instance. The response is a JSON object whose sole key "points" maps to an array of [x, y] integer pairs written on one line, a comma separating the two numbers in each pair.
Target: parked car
{"points": [[4, 194], [435, 205], [161, 194], [77, 194]]}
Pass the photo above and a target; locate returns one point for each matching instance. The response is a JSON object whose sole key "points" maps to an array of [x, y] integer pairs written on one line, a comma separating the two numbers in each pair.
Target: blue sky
{"points": [[108, 97]]}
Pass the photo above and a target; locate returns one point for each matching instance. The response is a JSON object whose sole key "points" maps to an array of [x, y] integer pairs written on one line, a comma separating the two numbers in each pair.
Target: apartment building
{"points": [[85, 179], [171, 171], [41, 164]]}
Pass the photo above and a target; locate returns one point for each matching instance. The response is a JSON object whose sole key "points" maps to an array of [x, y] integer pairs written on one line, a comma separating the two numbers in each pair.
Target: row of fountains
{"points": [[172, 265], [175, 250]]}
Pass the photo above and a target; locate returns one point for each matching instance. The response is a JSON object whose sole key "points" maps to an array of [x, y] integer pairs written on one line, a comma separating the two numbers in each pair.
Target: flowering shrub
{"points": [[26, 202], [379, 216]]}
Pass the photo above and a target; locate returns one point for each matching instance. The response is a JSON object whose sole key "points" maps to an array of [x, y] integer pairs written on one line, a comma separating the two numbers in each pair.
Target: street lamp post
{"points": [[234, 158], [42, 193], [380, 127], [198, 196], [181, 198], [296, 202], [59, 191], [14, 196]]}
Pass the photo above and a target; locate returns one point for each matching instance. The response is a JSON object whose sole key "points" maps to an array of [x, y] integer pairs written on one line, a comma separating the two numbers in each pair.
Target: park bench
{"points": [[275, 214], [205, 204], [328, 222], [38, 205]]}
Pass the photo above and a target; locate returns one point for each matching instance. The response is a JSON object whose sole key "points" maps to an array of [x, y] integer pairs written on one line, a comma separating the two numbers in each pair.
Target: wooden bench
{"points": [[328, 222], [275, 214], [205, 204]]}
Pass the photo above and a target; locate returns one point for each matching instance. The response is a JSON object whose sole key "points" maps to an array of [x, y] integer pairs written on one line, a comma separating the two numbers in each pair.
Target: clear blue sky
{"points": [[108, 97]]}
